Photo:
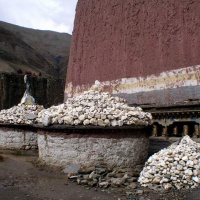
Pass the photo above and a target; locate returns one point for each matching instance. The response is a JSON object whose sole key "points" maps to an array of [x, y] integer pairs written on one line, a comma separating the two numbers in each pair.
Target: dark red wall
{"points": [[115, 39]]}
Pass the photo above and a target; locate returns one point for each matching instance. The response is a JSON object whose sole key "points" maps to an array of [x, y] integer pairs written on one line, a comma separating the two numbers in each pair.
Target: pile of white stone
{"points": [[20, 114], [178, 167], [94, 108]]}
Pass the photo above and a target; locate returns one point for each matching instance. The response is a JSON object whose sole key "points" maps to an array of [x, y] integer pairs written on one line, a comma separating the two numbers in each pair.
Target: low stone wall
{"points": [[12, 138], [111, 147]]}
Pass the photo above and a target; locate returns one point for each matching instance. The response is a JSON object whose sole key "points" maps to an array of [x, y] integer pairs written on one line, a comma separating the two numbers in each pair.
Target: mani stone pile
{"points": [[20, 114], [94, 108], [177, 166]]}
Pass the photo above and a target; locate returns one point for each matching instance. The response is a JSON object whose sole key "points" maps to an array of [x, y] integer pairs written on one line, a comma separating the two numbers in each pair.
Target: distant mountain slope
{"points": [[34, 50]]}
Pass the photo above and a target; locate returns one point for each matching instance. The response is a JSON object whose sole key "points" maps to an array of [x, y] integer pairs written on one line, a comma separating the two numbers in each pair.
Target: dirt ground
{"points": [[21, 179]]}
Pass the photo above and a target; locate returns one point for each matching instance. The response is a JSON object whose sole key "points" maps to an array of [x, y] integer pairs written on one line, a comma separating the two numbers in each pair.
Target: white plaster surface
{"points": [[60, 151], [188, 76], [18, 139]]}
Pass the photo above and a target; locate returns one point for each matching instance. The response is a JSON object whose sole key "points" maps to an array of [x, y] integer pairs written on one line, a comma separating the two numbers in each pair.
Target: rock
{"points": [[126, 176], [129, 193], [179, 167], [185, 158], [74, 168], [133, 185], [100, 122], [104, 184], [119, 175], [117, 181], [81, 117], [93, 175], [114, 123], [78, 181], [156, 180], [164, 180], [93, 122], [188, 172], [86, 170], [190, 163], [86, 177], [30, 116], [73, 177], [46, 120], [124, 170], [132, 179], [101, 170], [140, 192], [86, 122], [196, 179], [167, 186], [83, 182]]}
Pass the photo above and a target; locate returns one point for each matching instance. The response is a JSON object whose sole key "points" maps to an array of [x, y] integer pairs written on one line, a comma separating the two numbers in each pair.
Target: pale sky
{"points": [[55, 15]]}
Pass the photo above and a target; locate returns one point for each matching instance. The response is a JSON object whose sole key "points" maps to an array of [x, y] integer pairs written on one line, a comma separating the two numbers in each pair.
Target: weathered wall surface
{"points": [[15, 139], [124, 149], [147, 51], [46, 92]]}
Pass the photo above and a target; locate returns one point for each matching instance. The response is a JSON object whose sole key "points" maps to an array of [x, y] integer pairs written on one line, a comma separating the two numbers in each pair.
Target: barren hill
{"points": [[33, 50]]}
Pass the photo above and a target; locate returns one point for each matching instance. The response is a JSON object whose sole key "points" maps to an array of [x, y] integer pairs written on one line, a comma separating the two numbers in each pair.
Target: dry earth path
{"points": [[21, 179]]}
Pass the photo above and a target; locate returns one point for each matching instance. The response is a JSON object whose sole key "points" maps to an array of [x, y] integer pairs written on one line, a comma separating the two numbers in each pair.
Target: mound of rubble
{"points": [[20, 114], [177, 166], [104, 177], [94, 108]]}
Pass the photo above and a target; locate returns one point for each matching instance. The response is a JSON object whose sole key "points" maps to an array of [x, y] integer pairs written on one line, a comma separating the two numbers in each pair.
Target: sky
{"points": [[55, 15]]}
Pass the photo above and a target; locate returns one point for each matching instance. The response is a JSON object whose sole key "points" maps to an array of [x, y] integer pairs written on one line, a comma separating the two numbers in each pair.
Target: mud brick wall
{"points": [[147, 51], [46, 91]]}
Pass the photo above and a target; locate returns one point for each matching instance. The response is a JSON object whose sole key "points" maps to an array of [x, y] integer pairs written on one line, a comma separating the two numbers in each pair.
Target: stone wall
{"points": [[14, 139], [147, 51], [46, 91], [114, 149]]}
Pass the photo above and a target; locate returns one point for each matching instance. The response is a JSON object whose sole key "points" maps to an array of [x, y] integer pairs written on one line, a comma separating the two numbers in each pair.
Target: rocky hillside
{"points": [[44, 52]]}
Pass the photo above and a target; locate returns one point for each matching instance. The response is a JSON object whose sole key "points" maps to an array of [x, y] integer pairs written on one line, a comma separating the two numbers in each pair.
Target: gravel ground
{"points": [[21, 179]]}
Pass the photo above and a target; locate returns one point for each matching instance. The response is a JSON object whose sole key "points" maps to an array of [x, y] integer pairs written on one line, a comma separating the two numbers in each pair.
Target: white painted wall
{"points": [[60, 151], [11, 139]]}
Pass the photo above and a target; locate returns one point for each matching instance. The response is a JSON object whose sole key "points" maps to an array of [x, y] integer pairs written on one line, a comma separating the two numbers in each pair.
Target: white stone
{"points": [[188, 172], [81, 117], [167, 186], [190, 163], [101, 122], [104, 184], [114, 123], [196, 179], [177, 163], [86, 122], [185, 158], [179, 167], [46, 120]]}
